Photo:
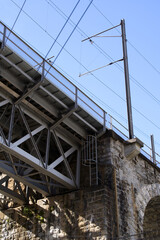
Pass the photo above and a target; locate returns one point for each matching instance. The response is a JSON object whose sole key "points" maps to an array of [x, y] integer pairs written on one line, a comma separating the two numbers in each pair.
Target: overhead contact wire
{"points": [[62, 28], [16, 19], [102, 51], [86, 68], [70, 35], [134, 80]]}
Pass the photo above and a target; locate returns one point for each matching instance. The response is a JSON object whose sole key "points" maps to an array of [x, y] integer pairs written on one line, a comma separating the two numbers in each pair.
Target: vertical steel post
{"points": [[76, 97], [4, 38], [43, 69], [153, 149], [111, 124], [96, 161], [78, 168], [11, 125], [127, 83], [27, 194], [47, 147], [104, 120]]}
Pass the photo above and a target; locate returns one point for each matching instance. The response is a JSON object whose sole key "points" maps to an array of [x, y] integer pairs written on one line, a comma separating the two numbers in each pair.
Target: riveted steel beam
{"points": [[36, 163], [10, 172]]}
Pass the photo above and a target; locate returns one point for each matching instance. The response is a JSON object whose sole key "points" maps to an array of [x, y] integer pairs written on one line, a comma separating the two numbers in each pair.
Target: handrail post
{"points": [[104, 120], [111, 125], [4, 38], [43, 70], [153, 149], [76, 97]]}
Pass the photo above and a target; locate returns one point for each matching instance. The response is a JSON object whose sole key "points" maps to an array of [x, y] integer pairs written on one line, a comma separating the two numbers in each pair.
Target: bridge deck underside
{"points": [[41, 131]]}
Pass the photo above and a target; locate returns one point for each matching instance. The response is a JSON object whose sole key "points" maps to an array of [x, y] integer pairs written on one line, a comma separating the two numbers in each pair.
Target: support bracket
{"points": [[31, 89], [68, 114]]}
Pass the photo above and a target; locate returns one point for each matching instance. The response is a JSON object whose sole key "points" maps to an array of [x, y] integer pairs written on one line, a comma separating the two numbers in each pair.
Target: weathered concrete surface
{"points": [[132, 148], [125, 203]]}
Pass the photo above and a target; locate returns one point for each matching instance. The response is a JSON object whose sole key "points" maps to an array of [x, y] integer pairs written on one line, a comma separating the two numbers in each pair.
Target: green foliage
{"points": [[8, 220], [27, 212], [52, 208], [40, 216]]}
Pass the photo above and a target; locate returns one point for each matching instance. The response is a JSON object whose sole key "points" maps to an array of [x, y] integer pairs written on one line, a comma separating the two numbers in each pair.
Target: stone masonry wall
{"points": [[84, 214], [137, 182], [118, 208]]}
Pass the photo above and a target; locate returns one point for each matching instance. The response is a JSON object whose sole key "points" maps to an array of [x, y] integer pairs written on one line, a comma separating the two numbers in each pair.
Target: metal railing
{"points": [[34, 59]]}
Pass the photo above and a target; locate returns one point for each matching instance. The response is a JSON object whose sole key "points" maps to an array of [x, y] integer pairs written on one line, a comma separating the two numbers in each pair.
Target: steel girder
{"points": [[21, 156], [43, 102], [39, 141]]}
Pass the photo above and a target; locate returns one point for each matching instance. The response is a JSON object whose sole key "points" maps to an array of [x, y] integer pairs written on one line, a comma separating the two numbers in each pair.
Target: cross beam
{"points": [[36, 172], [33, 88], [36, 163]]}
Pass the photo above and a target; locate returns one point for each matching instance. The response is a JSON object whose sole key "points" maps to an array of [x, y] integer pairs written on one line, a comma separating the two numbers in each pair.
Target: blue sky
{"points": [[42, 21]]}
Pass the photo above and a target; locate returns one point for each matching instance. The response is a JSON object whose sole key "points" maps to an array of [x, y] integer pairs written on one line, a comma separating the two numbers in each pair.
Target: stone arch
{"points": [[151, 222], [143, 200]]}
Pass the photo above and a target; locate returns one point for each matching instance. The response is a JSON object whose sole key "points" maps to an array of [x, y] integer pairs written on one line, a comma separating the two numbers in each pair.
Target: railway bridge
{"points": [[68, 169]]}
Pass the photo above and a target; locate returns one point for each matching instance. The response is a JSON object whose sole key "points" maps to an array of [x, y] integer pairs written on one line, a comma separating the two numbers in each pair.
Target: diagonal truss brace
{"points": [[4, 103], [27, 181], [11, 124], [12, 151], [32, 139], [63, 155], [47, 147], [61, 158], [26, 137], [11, 166], [35, 163], [8, 154]]}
